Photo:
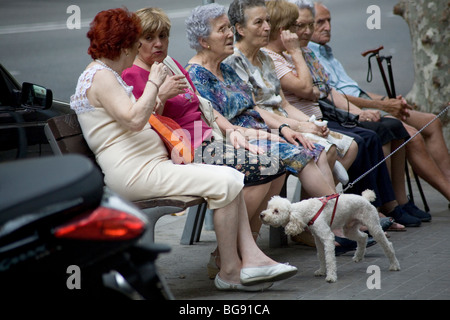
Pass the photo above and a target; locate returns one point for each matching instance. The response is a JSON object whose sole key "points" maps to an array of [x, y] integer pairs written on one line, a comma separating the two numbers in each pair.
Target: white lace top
{"points": [[79, 101]]}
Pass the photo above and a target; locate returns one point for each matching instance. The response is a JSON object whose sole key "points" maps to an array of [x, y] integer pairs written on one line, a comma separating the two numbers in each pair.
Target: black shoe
{"points": [[411, 208], [386, 222], [346, 245], [402, 217]]}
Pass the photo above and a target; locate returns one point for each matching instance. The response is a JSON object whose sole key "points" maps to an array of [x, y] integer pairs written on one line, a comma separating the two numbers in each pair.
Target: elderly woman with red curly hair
{"points": [[135, 161]]}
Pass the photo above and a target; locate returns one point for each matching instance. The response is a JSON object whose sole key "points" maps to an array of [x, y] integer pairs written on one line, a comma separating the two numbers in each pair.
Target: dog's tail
{"points": [[369, 195]]}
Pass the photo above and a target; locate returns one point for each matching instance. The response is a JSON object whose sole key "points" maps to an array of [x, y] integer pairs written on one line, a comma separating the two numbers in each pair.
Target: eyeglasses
{"points": [[226, 29], [302, 26]]}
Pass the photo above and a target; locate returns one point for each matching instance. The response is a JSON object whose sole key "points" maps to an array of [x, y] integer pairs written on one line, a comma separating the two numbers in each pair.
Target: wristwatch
{"points": [[281, 127]]}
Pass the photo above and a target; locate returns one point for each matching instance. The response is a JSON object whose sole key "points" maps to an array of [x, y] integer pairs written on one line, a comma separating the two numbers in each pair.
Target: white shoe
{"points": [[280, 271], [227, 286], [340, 173]]}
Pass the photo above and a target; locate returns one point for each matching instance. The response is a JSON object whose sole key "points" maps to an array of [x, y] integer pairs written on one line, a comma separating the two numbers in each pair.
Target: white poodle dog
{"points": [[351, 211]]}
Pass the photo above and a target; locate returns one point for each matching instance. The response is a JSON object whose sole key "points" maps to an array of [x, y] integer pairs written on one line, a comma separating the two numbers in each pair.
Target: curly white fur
{"points": [[352, 211]]}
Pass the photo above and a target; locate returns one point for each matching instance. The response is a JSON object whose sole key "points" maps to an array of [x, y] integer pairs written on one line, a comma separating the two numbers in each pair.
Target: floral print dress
{"points": [[233, 99]]}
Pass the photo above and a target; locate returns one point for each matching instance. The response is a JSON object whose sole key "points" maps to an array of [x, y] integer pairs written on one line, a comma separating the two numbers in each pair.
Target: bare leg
{"points": [[233, 237], [350, 156], [332, 156], [398, 172], [254, 196], [424, 165], [386, 151], [434, 139], [226, 228], [256, 199], [314, 182]]}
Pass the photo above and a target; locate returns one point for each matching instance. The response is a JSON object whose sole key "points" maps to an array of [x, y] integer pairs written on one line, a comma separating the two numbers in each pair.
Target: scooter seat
{"points": [[47, 184]]}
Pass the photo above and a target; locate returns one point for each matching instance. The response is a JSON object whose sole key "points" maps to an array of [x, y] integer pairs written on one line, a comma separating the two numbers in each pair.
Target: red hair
{"points": [[111, 31]]}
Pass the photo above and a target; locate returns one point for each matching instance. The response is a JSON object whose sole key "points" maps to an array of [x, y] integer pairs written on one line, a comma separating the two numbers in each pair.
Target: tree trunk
{"points": [[428, 22]]}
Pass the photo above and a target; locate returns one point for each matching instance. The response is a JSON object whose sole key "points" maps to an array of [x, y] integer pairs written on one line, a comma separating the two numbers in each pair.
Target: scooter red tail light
{"points": [[102, 224]]}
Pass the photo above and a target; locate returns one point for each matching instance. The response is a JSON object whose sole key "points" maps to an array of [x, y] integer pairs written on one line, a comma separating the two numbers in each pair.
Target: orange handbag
{"points": [[177, 143]]}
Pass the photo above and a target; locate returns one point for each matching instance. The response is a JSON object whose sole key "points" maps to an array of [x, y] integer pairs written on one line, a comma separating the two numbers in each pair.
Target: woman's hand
{"points": [[309, 127], [256, 134], [173, 86], [294, 137], [290, 41], [158, 73], [238, 140], [316, 93]]}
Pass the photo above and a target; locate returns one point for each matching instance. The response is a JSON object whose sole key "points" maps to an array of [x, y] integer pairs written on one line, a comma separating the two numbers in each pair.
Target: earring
{"points": [[209, 47]]}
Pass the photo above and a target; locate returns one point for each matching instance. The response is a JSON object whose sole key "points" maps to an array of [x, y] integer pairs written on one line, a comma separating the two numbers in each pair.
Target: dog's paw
{"points": [[394, 267], [331, 278], [319, 273], [357, 258]]}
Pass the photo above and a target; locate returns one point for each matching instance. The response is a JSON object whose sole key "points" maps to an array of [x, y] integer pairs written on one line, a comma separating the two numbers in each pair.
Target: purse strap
{"points": [[205, 105]]}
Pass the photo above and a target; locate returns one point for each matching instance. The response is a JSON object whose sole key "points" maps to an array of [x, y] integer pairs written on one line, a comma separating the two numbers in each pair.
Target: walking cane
{"points": [[390, 91]]}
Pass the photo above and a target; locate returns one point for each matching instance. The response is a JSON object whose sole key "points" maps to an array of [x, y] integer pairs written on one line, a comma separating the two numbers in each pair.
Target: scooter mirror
{"points": [[35, 96]]}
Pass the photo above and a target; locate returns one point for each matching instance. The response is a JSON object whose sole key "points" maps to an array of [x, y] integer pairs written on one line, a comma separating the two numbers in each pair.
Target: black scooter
{"points": [[63, 234]]}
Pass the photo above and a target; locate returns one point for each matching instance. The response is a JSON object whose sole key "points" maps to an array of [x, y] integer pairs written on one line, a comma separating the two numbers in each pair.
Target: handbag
{"points": [[177, 143], [330, 112]]}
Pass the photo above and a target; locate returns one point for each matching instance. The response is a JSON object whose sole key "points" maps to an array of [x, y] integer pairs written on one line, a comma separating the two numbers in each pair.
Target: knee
{"points": [[332, 154], [228, 176], [417, 142], [353, 150], [436, 126], [324, 159]]}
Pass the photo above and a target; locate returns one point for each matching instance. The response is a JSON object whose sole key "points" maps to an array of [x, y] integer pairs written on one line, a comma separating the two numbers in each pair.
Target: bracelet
{"points": [[151, 81], [281, 127]]}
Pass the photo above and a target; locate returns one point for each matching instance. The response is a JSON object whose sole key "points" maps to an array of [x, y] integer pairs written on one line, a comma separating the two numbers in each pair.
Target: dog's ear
{"points": [[294, 227]]}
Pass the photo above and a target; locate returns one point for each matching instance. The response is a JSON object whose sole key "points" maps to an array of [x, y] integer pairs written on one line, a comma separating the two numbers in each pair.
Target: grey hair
{"points": [[236, 12], [198, 24], [304, 4]]}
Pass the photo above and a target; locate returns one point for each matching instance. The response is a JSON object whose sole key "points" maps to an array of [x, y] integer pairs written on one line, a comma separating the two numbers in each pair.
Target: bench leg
{"points": [[277, 237], [194, 223], [153, 215]]}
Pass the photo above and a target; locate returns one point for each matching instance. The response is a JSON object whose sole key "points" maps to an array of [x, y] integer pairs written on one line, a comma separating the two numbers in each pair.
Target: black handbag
{"points": [[330, 112]]}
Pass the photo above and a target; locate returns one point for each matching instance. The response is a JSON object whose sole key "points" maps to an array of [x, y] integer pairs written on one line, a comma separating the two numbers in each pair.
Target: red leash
{"points": [[324, 202]]}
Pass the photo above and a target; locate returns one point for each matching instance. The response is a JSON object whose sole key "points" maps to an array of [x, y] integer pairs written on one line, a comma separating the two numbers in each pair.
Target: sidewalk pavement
{"points": [[423, 254]]}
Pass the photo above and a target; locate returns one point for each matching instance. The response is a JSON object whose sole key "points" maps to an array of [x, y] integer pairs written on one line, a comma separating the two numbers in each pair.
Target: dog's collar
{"points": [[324, 202]]}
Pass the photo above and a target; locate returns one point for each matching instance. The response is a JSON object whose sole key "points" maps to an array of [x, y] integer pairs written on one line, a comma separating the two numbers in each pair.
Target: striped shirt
{"points": [[283, 65]]}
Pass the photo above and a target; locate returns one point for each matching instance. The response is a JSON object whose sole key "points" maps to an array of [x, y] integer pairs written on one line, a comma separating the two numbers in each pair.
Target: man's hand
{"points": [[370, 115], [398, 107]]}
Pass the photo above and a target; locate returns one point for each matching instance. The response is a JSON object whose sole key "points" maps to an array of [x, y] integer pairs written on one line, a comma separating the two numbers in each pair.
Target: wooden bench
{"points": [[65, 136]]}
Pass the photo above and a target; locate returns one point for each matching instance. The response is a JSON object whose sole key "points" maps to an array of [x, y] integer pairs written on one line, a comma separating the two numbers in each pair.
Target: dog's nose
{"points": [[262, 215]]}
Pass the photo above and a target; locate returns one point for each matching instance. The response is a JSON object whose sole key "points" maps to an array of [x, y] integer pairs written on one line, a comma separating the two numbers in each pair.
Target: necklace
{"points": [[114, 72]]}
